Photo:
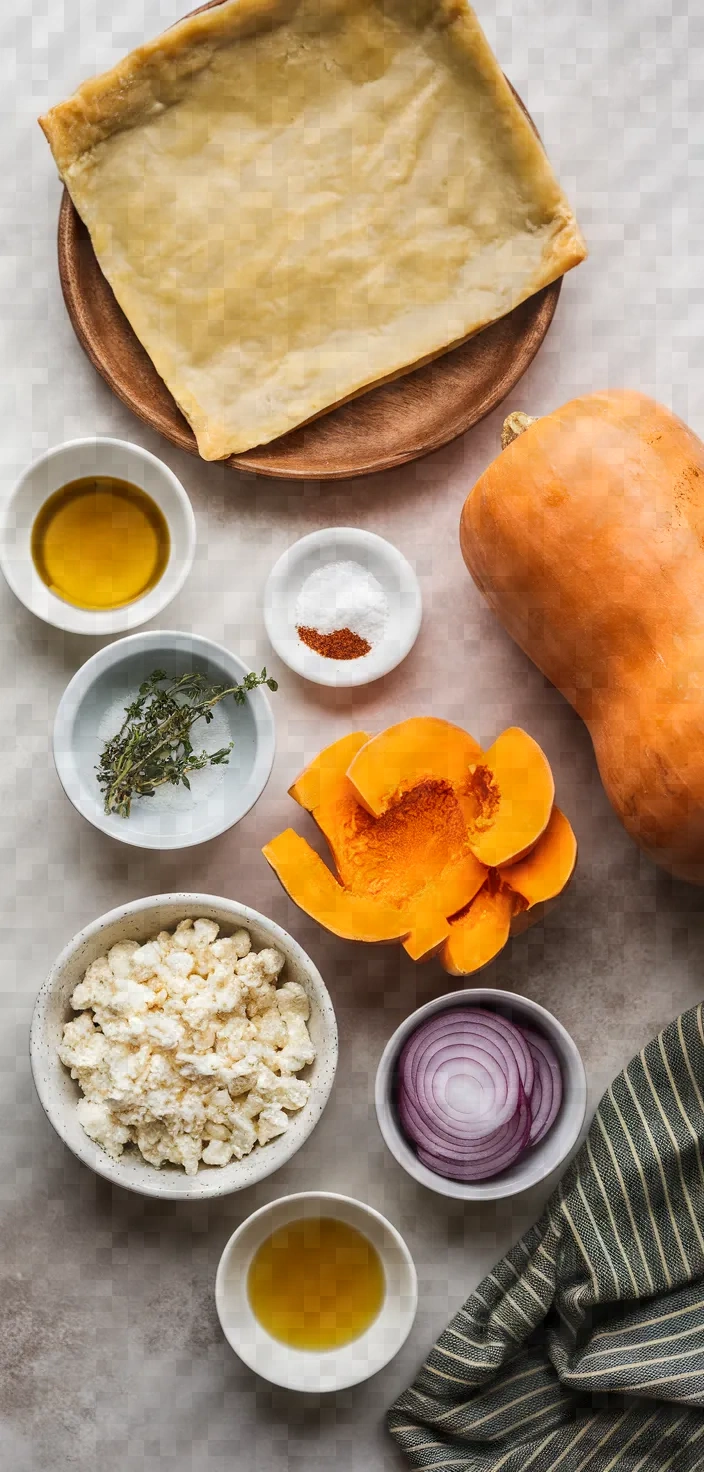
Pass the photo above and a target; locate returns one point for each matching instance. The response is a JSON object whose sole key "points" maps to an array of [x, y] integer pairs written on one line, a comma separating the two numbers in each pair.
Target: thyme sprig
{"points": [[153, 745]]}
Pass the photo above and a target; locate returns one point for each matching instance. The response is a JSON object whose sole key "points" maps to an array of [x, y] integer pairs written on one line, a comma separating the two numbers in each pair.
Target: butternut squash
{"points": [[511, 899], [309, 881], [414, 856], [586, 537], [321, 778], [405, 872], [505, 794], [548, 867], [514, 791], [422, 749], [479, 932]]}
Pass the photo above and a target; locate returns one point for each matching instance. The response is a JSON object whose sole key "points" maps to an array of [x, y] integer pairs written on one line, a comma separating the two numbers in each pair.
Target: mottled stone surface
{"points": [[110, 1351]]}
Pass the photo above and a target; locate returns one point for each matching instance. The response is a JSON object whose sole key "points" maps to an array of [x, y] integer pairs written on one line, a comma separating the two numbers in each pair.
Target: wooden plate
{"points": [[387, 426]]}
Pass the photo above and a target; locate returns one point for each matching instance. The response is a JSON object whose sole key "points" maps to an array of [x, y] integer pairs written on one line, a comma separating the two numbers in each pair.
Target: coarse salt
{"points": [[343, 595]]}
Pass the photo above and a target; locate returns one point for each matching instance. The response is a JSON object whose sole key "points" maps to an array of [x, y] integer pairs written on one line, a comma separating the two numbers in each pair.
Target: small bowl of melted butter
{"points": [[316, 1292], [97, 537]]}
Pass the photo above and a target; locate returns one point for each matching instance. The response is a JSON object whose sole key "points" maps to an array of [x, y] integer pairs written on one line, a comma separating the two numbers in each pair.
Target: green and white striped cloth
{"points": [[583, 1350]]}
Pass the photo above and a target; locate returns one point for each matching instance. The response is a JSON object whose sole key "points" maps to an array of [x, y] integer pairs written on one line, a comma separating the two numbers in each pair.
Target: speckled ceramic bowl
{"points": [[59, 1093]]}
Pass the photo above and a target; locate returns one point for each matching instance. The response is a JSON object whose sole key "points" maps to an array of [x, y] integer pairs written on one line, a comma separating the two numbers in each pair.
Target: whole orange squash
{"points": [[586, 537]]}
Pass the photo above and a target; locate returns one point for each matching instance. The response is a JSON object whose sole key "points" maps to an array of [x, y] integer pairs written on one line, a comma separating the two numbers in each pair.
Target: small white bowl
{"points": [[59, 1093], [315, 1370], [541, 1159], [72, 461], [90, 711], [385, 563]]}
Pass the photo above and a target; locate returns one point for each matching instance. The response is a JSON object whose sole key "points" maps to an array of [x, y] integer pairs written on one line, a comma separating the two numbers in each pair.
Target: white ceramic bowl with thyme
{"points": [[59, 1093], [92, 709]]}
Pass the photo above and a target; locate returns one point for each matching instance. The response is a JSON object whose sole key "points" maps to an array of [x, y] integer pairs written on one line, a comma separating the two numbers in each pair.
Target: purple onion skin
{"points": [[457, 1144]]}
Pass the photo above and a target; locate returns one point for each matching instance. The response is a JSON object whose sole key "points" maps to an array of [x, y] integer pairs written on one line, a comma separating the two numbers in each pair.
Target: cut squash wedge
{"points": [[436, 844], [477, 935], [515, 791], [422, 749], [415, 856], [321, 777], [311, 885], [548, 867]]}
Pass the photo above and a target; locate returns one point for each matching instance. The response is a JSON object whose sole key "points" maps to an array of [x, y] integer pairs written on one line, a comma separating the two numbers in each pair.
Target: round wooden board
{"points": [[387, 426]]}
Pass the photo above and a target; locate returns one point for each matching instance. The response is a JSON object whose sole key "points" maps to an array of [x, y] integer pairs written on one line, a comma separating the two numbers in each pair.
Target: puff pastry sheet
{"points": [[295, 199]]}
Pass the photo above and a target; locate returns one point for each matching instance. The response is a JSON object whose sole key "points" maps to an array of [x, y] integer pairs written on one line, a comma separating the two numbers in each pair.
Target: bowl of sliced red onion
{"points": [[480, 1094]]}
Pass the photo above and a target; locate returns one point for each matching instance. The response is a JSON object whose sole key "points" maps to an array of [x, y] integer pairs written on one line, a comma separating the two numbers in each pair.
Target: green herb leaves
{"points": [[153, 745]]}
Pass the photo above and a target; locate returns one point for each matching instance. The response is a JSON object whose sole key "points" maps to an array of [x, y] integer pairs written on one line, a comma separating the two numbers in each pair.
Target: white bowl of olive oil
{"points": [[97, 537], [316, 1291]]}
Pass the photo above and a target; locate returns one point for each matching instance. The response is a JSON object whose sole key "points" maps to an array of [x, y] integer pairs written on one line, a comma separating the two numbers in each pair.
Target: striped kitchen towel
{"points": [[584, 1349]]}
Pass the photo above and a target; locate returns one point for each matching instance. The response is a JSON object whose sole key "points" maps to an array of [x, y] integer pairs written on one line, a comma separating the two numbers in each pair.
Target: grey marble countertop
{"points": [[110, 1351]]}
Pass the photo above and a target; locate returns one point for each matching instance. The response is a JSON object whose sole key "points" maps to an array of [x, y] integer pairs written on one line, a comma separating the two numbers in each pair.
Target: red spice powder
{"points": [[342, 644]]}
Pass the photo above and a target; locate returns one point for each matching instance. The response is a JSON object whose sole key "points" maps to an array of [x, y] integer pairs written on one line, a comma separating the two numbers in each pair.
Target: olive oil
{"points": [[99, 542], [316, 1284]]}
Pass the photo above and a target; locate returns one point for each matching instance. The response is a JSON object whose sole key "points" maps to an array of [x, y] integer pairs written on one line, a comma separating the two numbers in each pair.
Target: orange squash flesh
{"points": [[430, 929], [478, 934], [315, 890], [321, 777], [548, 867], [453, 888], [415, 872], [515, 791], [422, 749], [414, 857], [586, 537]]}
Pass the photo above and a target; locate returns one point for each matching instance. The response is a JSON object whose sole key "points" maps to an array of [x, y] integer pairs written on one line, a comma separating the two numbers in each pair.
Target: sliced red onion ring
{"points": [[494, 1025], [462, 1038], [464, 1072], [474, 1090], [431, 1138], [513, 1035], [503, 1035], [482, 1170], [536, 1097], [545, 1106]]}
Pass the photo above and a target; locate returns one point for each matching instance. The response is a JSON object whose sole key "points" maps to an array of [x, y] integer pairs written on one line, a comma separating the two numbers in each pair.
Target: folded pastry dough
{"points": [[295, 199]]}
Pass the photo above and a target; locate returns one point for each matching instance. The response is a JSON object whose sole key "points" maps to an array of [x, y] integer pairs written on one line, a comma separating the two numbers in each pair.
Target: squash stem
{"points": [[513, 425]]}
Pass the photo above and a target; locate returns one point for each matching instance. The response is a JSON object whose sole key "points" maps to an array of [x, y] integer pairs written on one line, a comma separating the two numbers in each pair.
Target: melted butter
{"points": [[99, 542], [316, 1284]]}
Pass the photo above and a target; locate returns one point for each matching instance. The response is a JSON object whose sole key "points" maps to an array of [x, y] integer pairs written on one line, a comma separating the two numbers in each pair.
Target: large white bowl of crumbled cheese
{"points": [[183, 1046]]}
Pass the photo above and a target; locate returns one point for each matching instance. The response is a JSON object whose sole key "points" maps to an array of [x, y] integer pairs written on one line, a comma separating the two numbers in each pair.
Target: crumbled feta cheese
{"points": [[120, 959], [217, 1152], [232, 948], [100, 1124], [271, 1122], [186, 1048], [271, 1028]]}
